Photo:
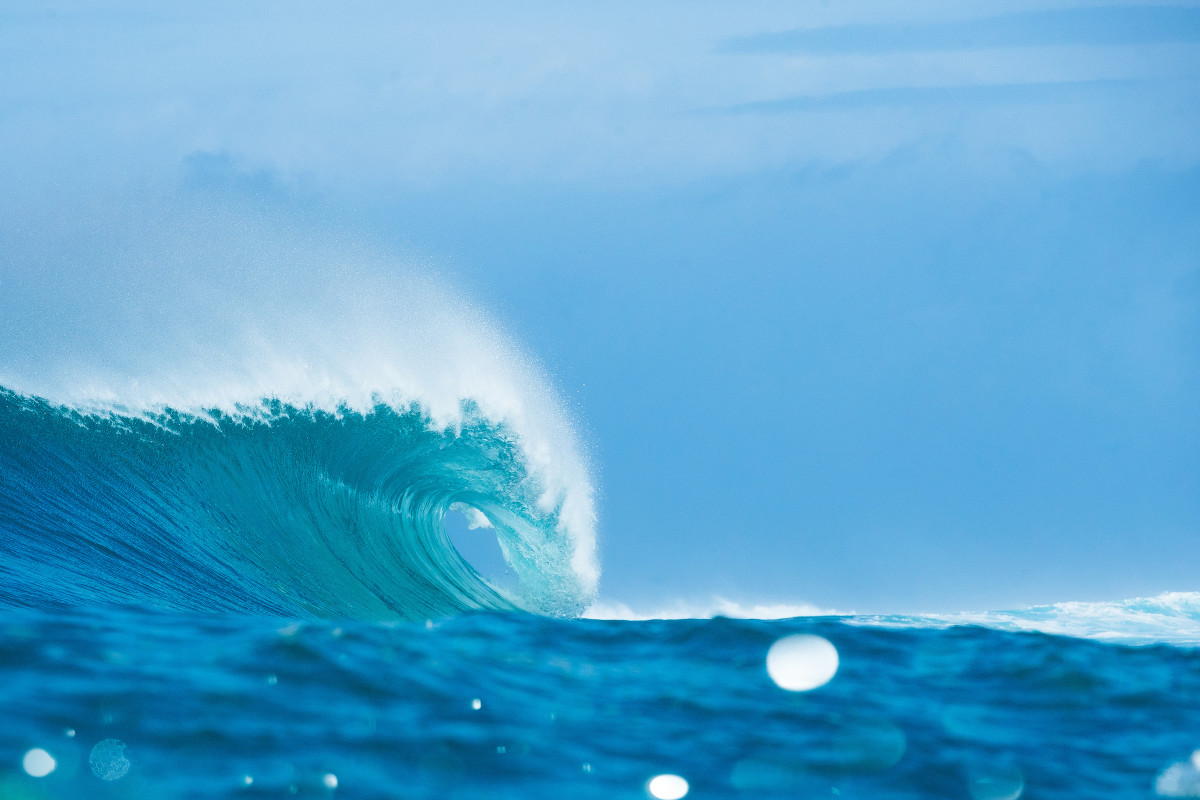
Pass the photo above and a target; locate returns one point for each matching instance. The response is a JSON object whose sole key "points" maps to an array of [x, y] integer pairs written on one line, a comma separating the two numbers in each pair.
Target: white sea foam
{"points": [[475, 518], [714, 607]]}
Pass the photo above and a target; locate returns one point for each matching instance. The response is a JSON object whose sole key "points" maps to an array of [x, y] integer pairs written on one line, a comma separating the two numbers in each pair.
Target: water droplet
{"points": [[108, 760], [802, 662]]}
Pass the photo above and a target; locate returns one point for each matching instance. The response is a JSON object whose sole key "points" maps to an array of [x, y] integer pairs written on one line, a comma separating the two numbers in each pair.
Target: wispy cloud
{"points": [[909, 96], [1110, 25]]}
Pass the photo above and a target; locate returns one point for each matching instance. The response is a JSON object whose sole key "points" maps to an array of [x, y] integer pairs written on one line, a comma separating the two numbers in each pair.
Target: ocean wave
{"points": [[207, 410]]}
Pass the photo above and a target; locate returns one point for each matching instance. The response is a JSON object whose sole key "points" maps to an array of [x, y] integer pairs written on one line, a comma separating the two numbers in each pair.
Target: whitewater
{"points": [[225, 571]]}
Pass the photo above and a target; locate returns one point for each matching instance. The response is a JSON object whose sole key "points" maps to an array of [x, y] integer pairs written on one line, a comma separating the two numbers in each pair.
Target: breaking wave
{"points": [[204, 413]]}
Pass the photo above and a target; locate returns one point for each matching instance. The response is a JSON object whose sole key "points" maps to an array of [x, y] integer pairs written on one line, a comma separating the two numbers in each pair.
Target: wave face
{"points": [[278, 510]]}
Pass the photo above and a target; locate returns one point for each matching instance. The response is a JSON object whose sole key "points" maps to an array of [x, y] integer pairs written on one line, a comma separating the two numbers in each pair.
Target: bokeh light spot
{"points": [[38, 763], [1181, 779], [667, 787], [802, 662], [330, 780]]}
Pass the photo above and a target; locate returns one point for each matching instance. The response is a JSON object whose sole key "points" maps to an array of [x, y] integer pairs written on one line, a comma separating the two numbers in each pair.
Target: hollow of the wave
{"points": [[478, 546]]}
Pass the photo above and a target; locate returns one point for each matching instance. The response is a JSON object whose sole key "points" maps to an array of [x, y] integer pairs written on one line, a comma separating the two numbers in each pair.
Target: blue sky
{"points": [[887, 307]]}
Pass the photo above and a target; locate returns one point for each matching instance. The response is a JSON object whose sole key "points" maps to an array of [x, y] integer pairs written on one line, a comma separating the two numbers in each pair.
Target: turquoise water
{"points": [[263, 601]]}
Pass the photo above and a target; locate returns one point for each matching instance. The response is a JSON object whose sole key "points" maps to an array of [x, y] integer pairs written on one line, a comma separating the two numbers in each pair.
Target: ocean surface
{"points": [[141, 703], [262, 600]]}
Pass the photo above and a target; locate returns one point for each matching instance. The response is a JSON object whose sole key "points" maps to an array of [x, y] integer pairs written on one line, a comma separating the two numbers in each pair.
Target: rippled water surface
{"points": [[119, 703]]}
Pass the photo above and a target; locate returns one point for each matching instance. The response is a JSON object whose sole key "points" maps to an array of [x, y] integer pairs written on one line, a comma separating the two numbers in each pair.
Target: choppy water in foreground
{"points": [[496, 705]]}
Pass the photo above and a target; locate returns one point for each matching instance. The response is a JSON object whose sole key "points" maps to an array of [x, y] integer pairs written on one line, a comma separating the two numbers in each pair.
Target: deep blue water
{"points": [[255, 706]]}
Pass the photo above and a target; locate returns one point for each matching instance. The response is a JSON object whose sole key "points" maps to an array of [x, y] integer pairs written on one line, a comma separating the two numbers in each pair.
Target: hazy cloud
{"points": [[910, 96]]}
